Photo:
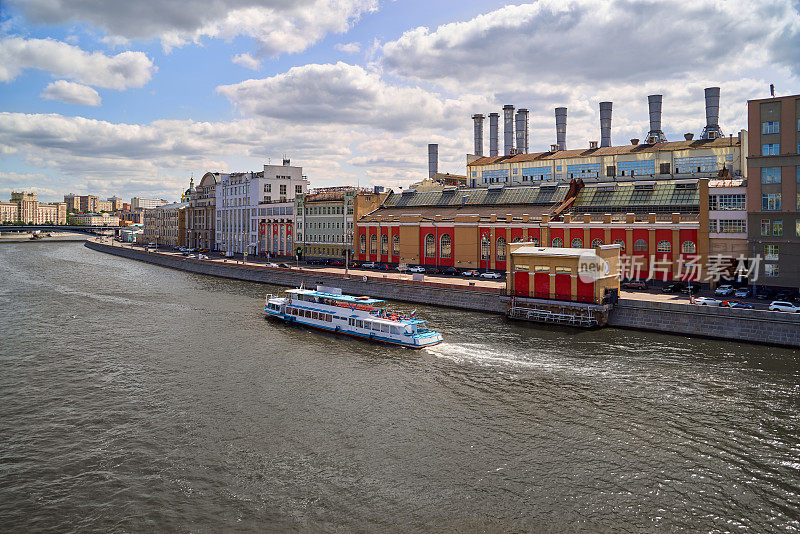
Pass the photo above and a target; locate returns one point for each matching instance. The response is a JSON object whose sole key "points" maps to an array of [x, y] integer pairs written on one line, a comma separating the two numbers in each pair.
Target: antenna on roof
{"points": [[772, 90]]}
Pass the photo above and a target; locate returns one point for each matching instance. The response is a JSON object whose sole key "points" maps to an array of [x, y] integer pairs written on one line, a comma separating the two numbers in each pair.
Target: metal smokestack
{"points": [[605, 124], [561, 128], [493, 133], [433, 159], [508, 129], [655, 135], [522, 131], [478, 119], [712, 129]]}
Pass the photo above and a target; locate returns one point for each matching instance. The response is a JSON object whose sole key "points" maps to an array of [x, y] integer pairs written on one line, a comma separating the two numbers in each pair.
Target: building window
{"points": [[772, 149], [621, 243], [712, 226], [771, 252], [298, 190], [637, 168], [385, 244], [771, 127], [283, 189], [486, 248], [430, 246], [771, 270], [732, 226], [770, 175], [664, 247], [373, 244], [777, 228], [395, 245], [640, 245], [577, 243], [445, 248], [268, 188], [541, 269], [688, 247], [730, 203], [501, 249], [597, 243], [766, 225], [558, 242], [696, 164], [770, 202], [535, 241]]}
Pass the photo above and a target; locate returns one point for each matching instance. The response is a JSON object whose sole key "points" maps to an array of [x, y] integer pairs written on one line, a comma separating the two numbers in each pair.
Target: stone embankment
{"points": [[754, 326]]}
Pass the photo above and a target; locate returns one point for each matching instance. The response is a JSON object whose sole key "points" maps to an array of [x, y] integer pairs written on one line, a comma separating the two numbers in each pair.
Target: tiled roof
{"points": [[609, 151], [637, 197], [480, 197]]}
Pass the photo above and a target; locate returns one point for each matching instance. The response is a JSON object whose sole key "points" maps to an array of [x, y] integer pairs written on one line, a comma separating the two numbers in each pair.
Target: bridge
{"points": [[91, 230]]}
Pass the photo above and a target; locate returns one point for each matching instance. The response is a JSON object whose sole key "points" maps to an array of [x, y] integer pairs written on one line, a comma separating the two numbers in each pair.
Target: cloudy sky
{"points": [[131, 98]]}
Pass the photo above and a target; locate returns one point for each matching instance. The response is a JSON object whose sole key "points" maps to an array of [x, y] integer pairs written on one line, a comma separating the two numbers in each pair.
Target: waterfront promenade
{"points": [[666, 314]]}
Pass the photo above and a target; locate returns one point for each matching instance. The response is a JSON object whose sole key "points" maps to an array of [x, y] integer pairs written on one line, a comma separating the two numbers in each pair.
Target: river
{"points": [[138, 398]]}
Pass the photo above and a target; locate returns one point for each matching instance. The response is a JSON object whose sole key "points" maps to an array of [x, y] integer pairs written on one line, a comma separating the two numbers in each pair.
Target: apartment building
{"points": [[26, 208], [773, 196]]}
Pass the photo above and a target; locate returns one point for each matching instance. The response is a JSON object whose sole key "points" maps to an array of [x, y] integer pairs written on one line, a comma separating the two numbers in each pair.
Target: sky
{"points": [[123, 98]]}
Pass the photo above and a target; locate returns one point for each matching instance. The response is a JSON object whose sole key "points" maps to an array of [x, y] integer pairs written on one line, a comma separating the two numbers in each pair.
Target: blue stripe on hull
{"points": [[290, 320]]}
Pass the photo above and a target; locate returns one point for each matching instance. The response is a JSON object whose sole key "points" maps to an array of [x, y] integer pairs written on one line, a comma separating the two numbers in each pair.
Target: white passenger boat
{"points": [[328, 309]]}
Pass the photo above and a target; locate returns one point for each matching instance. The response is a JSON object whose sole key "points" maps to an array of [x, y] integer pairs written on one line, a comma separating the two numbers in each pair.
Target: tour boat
{"points": [[328, 309]]}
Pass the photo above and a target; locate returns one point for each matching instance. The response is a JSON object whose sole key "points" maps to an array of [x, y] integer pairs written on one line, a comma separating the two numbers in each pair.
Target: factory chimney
{"points": [[493, 133], [478, 119], [712, 129], [522, 131], [561, 128], [508, 129], [605, 124], [433, 159], [655, 135]]}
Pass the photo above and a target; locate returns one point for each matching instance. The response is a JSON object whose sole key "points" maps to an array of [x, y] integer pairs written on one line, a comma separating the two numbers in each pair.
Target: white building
{"points": [[138, 203], [254, 210]]}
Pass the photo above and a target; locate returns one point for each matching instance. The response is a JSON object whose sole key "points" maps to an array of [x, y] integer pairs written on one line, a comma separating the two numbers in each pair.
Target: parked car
{"points": [[491, 275], [783, 306], [733, 303], [337, 263], [707, 301], [786, 295], [450, 271], [691, 288], [672, 288], [202, 257], [634, 284], [383, 267], [270, 264], [765, 294], [368, 265], [724, 290], [416, 269], [742, 293], [470, 272], [284, 265]]}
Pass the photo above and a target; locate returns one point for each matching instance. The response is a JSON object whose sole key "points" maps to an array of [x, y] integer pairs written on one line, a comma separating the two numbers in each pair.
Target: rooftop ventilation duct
{"points": [[494, 119], [522, 131], [605, 123], [655, 135], [688, 136], [478, 120], [433, 159], [508, 129], [561, 128], [712, 129]]}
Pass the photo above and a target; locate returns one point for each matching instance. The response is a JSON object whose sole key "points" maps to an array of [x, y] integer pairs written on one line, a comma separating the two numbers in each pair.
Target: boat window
{"points": [[314, 315], [386, 328], [359, 323], [376, 327], [396, 330], [328, 317]]}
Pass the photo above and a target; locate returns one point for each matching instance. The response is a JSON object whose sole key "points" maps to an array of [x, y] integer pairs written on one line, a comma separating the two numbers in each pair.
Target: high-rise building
{"points": [[138, 203], [26, 208], [773, 194]]}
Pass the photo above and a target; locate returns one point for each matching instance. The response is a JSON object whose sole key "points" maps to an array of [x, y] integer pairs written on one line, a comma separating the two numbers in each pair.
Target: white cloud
{"points": [[346, 94], [126, 69], [247, 61], [278, 25], [348, 48], [71, 93]]}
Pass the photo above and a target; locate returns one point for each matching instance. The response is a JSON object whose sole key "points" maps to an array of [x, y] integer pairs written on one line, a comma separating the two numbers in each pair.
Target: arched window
{"points": [[688, 247], [640, 245], [597, 243], [384, 244], [501, 248], [577, 243], [664, 246], [535, 241], [430, 246], [362, 244], [558, 242], [486, 248], [516, 240], [373, 244], [395, 245], [445, 246], [621, 243]]}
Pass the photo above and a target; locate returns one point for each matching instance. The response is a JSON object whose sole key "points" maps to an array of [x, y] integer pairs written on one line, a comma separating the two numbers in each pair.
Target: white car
{"points": [[707, 301], [783, 306], [202, 257], [491, 275], [191, 256], [724, 291], [417, 269], [741, 293], [368, 265], [270, 264]]}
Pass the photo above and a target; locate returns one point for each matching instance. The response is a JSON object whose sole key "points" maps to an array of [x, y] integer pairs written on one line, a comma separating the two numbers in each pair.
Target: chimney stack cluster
{"points": [[515, 140]]}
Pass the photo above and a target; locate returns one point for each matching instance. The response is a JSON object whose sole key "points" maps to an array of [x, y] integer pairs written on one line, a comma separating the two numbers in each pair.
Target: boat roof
{"points": [[334, 296]]}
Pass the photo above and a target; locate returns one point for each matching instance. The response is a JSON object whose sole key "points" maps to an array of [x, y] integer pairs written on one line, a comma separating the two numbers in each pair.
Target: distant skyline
{"points": [[130, 99]]}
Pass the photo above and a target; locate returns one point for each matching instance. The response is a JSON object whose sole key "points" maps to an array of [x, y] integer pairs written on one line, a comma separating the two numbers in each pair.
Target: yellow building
{"points": [[165, 225], [94, 219], [26, 208]]}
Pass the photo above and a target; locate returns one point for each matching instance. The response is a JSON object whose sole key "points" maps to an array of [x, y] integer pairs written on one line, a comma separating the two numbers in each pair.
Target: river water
{"points": [[137, 398]]}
